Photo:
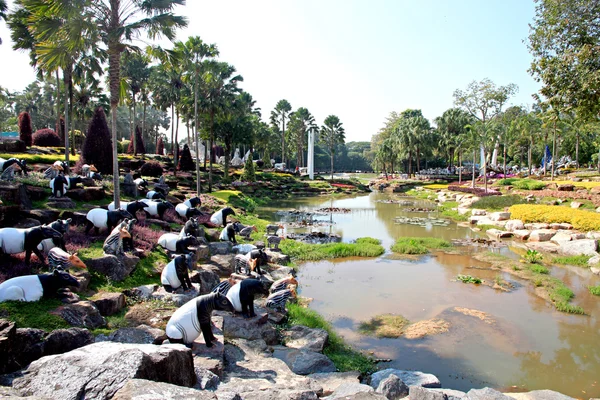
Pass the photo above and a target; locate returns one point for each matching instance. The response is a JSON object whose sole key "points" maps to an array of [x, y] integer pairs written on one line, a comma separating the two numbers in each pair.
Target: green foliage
{"points": [[507, 181], [46, 138], [580, 260], [468, 279], [498, 202], [343, 356], [595, 290], [384, 326], [40, 158], [237, 199], [449, 210], [419, 245], [34, 314], [538, 269], [151, 168], [533, 256], [363, 247], [249, 175], [529, 184], [97, 148]]}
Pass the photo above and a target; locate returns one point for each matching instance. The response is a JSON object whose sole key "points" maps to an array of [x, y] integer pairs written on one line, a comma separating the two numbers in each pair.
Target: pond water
{"points": [[524, 344]]}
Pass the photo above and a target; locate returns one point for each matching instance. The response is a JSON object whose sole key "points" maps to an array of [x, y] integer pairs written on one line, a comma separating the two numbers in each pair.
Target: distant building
{"points": [[12, 135]]}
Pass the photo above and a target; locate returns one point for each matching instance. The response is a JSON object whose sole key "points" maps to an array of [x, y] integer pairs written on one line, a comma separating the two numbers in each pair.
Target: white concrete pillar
{"points": [[311, 155]]}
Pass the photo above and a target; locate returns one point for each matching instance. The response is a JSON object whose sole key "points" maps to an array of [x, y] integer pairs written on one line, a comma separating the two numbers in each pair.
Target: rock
{"points": [[477, 211], [546, 247], [60, 203], [537, 225], [162, 224], [142, 389], [392, 388], [179, 297], [24, 200], [63, 340], [541, 235], [206, 380], [595, 259], [27, 223], [485, 394], [84, 278], [567, 187], [83, 314], [143, 292], [202, 252], [44, 216], [410, 378], [562, 226], [575, 204], [19, 347], [304, 362], [561, 237], [349, 390], [330, 381], [498, 234], [476, 218], [116, 268], [13, 146], [540, 395], [221, 248], [250, 328], [522, 234], [109, 303], [304, 338], [595, 270], [421, 393], [99, 370], [207, 278], [499, 216], [450, 393], [87, 194], [513, 225], [277, 257], [281, 272], [224, 263], [143, 334], [586, 247]]}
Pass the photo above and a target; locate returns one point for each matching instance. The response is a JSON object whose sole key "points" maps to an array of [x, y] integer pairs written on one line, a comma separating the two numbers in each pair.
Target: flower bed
{"points": [[580, 219], [343, 186]]}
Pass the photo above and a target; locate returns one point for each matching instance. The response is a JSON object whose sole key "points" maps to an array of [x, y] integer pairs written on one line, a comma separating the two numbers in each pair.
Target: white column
{"points": [[311, 155]]}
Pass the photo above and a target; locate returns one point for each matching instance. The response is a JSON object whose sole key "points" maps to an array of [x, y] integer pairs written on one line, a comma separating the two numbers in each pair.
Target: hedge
{"points": [[580, 219], [476, 191]]}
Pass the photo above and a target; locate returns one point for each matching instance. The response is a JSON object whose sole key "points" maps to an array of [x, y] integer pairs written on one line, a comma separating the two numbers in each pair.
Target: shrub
{"points": [[46, 138], [139, 142], [580, 219], [151, 168], [97, 148], [476, 191], [539, 269], [418, 245], [532, 257], [469, 279], [529, 184], [595, 290], [160, 146], [25, 130], [498, 202], [267, 164], [123, 146], [249, 175], [186, 163], [507, 181], [260, 163]]}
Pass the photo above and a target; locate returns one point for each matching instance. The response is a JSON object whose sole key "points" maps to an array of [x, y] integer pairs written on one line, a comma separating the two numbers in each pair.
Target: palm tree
{"points": [[451, 126], [301, 123], [218, 84], [280, 114], [3, 8], [135, 72], [332, 134]]}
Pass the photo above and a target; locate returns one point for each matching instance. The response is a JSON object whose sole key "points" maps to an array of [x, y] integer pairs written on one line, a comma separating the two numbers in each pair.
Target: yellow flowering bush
{"points": [[580, 219]]}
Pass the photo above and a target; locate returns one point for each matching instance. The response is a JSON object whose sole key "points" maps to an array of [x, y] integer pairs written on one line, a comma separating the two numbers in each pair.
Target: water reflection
{"points": [[529, 346]]}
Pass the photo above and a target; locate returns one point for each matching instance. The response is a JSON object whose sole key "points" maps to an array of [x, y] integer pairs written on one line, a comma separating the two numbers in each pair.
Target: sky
{"points": [[357, 59]]}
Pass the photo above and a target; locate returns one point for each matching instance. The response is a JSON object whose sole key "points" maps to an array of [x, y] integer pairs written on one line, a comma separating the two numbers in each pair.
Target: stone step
{"points": [[210, 358]]}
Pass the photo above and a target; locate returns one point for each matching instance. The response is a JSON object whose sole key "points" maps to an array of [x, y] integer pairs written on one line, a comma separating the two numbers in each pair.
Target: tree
{"points": [[186, 163], [25, 130], [3, 9], [301, 123], [249, 174], [160, 147], [139, 142], [135, 73], [332, 134], [279, 115], [97, 146], [452, 128], [484, 101]]}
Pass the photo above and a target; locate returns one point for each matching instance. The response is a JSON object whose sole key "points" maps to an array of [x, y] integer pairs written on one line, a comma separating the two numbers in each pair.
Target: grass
{"points": [[363, 247], [34, 314], [419, 245], [524, 184], [384, 326], [498, 202], [40, 158], [343, 356], [468, 279], [448, 210], [538, 269], [436, 186], [595, 290], [579, 261]]}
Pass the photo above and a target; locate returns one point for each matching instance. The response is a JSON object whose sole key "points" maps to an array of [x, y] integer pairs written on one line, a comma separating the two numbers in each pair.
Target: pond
{"points": [[521, 343]]}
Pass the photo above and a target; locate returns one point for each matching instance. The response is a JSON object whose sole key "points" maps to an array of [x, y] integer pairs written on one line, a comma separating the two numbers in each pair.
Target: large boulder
{"points": [[547, 247], [513, 225], [250, 328], [392, 388], [522, 234], [410, 378], [484, 394], [304, 362], [540, 395], [220, 248], [305, 338], [586, 247], [224, 263], [207, 278], [276, 257], [83, 278], [99, 370], [116, 268], [561, 237], [63, 340], [421, 393], [281, 272], [87, 194], [143, 334], [83, 314], [142, 389], [499, 216], [330, 381], [62, 203], [179, 297], [354, 391], [541, 235], [109, 303], [19, 347]]}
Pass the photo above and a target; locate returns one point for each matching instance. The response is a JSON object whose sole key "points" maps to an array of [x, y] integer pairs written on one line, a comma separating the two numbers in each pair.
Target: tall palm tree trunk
{"points": [[173, 130], [133, 123], [176, 151], [198, 187], [212, 139], [114, 64], [58, 105], [332, 165], [529, 155], [577, 149], [283, 140], [67, 78]]}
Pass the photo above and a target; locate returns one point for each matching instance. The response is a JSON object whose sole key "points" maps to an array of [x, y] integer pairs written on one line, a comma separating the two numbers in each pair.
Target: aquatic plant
{"points": [[419, 245], [579, 260], [469, 279], [595, 290], [532, 256], [539, 269], [363, 247], [385, 326]]}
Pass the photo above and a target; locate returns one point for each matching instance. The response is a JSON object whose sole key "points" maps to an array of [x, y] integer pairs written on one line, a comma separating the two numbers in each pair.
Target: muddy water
{"points": [[523, 343]]}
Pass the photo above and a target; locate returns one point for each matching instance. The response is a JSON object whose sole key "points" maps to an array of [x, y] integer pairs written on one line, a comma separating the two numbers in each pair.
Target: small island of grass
{"points": [[419, 245]]}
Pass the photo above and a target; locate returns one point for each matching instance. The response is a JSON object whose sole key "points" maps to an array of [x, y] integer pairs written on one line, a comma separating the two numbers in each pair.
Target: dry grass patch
{"points": [[428, 327], [485, 317], [385, 326]]}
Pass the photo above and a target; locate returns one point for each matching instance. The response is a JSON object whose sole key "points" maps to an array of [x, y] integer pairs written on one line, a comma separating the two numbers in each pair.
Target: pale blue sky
{"points": [[357, 59]]}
